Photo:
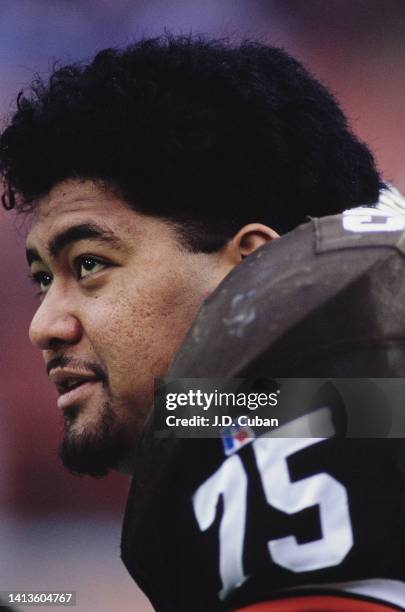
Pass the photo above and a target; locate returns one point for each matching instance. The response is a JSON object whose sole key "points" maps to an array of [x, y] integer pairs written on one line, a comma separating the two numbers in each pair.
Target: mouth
{"points": [[73, 387], [77, 394]]}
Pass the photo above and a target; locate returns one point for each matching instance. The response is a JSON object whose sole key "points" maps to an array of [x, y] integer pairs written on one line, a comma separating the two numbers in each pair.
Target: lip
{"points": [[61, 376], [64, 378], [77, 395]]}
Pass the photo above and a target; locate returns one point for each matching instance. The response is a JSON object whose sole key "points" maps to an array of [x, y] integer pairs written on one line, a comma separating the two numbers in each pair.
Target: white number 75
{"points": [[230, 483]]}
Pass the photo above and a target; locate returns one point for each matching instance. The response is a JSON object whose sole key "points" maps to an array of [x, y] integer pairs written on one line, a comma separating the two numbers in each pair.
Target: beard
{"points": [[96, 449]]}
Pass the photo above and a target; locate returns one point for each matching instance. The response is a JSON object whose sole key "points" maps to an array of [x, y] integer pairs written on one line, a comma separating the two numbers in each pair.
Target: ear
{"points": [[250, 237]]}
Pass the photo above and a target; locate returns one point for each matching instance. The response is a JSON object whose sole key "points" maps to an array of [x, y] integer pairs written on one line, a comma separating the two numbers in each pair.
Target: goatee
{"points": [[96, 449]]}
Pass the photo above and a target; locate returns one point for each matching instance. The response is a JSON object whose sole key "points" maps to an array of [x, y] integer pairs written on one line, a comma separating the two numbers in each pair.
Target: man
{"points": [[152, 173]]}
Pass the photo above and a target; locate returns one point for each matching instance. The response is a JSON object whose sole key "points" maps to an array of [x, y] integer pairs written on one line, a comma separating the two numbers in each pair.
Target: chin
{"points": [[94, 447]]}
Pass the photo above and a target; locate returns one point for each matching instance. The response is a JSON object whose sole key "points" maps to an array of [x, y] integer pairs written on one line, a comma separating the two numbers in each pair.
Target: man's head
{"points": [[151, 173], [119, 290]]}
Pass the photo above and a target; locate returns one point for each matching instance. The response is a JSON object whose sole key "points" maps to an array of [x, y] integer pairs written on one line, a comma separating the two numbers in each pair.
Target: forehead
{"points": [[71, 202], [76, 202]]}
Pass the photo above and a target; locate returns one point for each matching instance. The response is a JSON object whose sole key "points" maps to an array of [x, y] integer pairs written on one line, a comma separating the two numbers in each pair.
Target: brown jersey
{"points": [[205, 530]]}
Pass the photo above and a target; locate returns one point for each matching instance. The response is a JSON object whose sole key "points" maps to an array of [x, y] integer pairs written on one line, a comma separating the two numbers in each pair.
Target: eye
{"points": [[43, 280], [86, 265]]}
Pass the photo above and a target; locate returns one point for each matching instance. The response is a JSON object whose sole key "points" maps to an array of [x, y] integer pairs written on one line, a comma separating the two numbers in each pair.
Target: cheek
{"points": [[116, 328], [135, 339], [137, 330]]}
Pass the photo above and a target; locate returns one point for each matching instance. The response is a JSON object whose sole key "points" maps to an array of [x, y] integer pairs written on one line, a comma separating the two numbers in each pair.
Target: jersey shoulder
{"points": [[342, 268]]}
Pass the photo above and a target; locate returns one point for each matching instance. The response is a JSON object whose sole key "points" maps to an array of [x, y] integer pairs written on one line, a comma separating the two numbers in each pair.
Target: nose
{"points": [[54, 323]]}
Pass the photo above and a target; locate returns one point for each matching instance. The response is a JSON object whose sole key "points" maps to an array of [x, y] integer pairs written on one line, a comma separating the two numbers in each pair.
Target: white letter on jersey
{"points": [[372, 220], [230, 481], [290, 497]]}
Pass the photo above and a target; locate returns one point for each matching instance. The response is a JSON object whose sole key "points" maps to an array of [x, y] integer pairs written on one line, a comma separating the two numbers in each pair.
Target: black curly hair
{"points": [[208, 135]]}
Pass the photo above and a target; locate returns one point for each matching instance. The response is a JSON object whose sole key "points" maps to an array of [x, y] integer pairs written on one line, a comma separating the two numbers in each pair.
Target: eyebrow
{"points": [[84, 231]]}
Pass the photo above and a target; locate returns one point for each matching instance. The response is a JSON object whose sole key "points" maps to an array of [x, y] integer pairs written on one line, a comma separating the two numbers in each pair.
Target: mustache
{"points": [[63, 361]]}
